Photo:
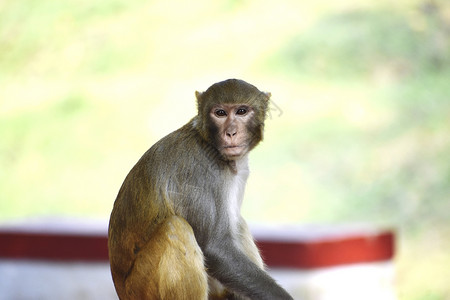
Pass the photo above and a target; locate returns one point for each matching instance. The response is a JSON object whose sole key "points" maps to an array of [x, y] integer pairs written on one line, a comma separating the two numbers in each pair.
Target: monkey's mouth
{"points": [[233, 150], [235, 146]]}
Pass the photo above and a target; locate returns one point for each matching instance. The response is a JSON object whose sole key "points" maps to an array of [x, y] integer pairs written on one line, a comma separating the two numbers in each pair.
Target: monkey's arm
{"points": [[237, 272]]}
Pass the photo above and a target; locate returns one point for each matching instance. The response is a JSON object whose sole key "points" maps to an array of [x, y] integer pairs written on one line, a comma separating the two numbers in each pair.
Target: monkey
{"points": [[176, 231]]}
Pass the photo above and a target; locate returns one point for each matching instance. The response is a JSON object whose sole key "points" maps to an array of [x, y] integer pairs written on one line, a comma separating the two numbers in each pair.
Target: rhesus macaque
{"points": [[176, 231]]}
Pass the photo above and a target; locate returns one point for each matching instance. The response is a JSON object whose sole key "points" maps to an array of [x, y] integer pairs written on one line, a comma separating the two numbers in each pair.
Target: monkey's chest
{"points": [[234, 200]]}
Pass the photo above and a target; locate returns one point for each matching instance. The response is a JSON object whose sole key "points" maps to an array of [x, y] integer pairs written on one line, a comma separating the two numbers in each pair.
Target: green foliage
{"points": [[366, 41], [395, 171]]}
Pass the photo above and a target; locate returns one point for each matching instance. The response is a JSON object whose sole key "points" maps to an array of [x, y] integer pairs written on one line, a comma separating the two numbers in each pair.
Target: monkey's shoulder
{"points": [[181, 150]]}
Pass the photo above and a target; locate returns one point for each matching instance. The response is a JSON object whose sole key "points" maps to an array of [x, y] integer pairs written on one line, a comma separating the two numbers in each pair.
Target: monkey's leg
{"points": [[170, 266], [218, 292]]}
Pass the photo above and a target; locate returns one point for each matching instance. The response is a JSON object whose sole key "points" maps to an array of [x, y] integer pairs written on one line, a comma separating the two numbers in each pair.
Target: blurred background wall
{"points": [[358, 128]]}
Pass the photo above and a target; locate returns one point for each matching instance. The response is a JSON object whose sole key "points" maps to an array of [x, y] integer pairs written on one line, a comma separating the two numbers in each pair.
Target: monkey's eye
{"points": [[241, 111], [220, 113]]}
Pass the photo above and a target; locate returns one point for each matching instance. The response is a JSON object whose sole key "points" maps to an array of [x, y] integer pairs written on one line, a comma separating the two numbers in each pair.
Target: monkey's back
{"points": [[170, 172]]}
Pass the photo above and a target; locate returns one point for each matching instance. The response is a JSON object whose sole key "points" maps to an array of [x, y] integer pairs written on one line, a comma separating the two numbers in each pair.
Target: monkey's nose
{"points": [[231, 133]]}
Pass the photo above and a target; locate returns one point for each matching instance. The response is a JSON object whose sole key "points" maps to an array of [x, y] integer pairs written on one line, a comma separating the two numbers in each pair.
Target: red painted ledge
{"points": [[327, 253], [52, 246], [298, 247], [318, 246]]}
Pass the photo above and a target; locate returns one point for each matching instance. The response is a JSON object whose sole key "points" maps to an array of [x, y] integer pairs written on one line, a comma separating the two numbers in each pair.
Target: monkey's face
{"points": [[232, 129], [231, 117]]}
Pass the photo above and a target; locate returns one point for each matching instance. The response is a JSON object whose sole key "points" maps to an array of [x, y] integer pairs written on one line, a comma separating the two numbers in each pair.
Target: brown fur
{"points": [[154, 275]]}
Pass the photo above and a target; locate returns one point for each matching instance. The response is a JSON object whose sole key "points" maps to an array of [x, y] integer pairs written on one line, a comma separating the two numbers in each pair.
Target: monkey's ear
{"points": [[268, 95], [198, 95]]}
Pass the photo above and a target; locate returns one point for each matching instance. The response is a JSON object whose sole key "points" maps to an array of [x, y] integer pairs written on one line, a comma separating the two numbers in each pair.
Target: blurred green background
{"points": [[358, 129]]}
